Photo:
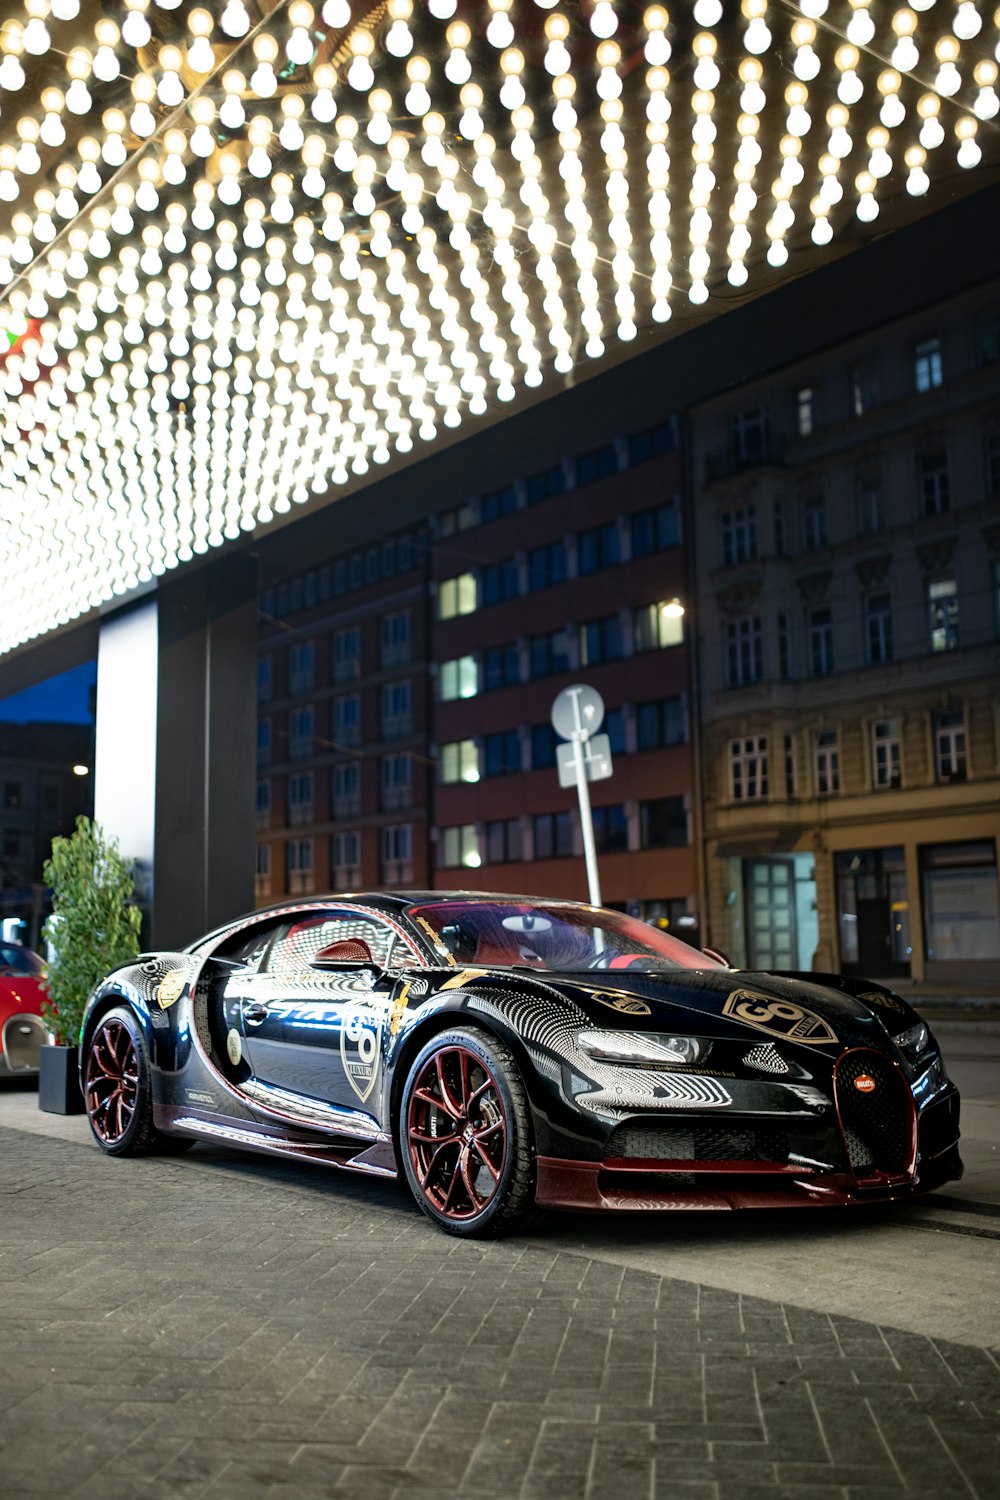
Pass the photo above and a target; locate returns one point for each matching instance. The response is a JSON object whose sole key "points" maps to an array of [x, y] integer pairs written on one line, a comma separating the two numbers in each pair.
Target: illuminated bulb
{"points": [[170, 89], [324, 106], [969, 151], [603, 21], [948, 80], [932, 131], [203, 114], [987, 103], [65, 10], [113, 148], [905, 56], [458, 69], [557, 57], [757, 37], [752, 98], [135, 28], [11, 72], [806, 64], [235, 21], [89, 178], [861, 28], [867, 209], [262, 79], [967, 22], [880, 162], [850, 88], [443, 10], [337, 14], [708, 12], [893, 111], [106, 66], [35, 38], [52, 132], [917, 181], [201, 58], [398, 39], [500, 32], [231, 112], [299, 48], [360, 75]]}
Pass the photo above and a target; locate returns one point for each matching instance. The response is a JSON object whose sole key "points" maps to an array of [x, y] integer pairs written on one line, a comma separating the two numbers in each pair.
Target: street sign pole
{"points": [[586, 818]]}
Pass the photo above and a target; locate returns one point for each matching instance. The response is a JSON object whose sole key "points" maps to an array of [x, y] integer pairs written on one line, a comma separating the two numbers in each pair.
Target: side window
{"points": [[247, 947], [302, 939]]}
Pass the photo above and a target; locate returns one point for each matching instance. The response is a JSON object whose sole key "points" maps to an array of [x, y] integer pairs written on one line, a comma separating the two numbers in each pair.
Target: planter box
{"points": [[59, 1080]]}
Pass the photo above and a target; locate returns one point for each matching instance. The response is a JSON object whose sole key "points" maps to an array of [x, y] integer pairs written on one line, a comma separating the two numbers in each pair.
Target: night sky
{"points": [[63, 699]]}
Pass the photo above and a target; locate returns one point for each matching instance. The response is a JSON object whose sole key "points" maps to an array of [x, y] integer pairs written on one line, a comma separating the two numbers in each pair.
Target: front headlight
{"points": [[640, 1048], [914, 1042]]}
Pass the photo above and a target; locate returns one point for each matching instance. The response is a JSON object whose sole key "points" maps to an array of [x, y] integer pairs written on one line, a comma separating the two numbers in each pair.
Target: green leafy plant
{"points": [[94, 924]]}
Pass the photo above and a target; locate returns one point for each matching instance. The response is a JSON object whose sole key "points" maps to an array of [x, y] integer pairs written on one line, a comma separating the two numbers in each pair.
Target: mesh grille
{"points": [[682, 1142], [876, 1120]]}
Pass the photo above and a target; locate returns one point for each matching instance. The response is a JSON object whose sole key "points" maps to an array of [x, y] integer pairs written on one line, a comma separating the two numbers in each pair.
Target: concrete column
{"points": [[175, 758]]}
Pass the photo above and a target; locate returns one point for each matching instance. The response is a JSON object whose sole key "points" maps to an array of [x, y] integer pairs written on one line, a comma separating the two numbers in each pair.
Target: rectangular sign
{"points": [[596, 760]]}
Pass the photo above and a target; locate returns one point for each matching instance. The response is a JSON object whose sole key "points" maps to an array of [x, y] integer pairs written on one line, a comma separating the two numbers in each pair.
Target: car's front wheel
{"points": [[117, 1089], [465, 1135]]}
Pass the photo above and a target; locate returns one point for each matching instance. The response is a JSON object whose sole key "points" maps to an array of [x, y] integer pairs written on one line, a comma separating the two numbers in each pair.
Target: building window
{"points": [[820, 642], [263, 804], [942, 605], [611, 829], [395, 638], [657, 625], [397, 710], [546, 485], [301, 797], [871, 511], [739, 535], [543, 747], [499, 503], [935, 490], [598, 548], [12, 791], [546, 566], [950, 763], [744, 651], [459, 846], [500, 581], [263, 757], [791, 780], [927, 365], [750, 435], [959, 887], [864, 390], [826, 761], [597, 464], [748, 768], [784, 645], [346, 789], [886, 753], [660, 724], [663, 823], [347, 654], [397, 781], [600, 640], [993, 467], [457, 596], [347, 720], [502, 753], [614, 728], [804, 410], [655, 530], [459, 761], [346, 850], [299, 866], [878, 629], [301, 730], [501, 667], [457, 679], [397, 853], [302, 667], [778, 514], [642, 446], [264, 679], [552, 835], [262, 870], [549, 654], [504, 844], [813, 523]]}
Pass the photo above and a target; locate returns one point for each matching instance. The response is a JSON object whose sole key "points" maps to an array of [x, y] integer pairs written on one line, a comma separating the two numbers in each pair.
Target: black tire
{"points": [[117, 1089], [465, 1136]]}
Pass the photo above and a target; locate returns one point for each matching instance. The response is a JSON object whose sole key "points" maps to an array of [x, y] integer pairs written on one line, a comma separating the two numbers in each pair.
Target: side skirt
{"points": [[377, 1159]]}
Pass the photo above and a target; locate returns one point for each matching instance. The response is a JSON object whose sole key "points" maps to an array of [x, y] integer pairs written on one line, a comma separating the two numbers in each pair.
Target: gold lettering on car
{"points": [[786, 1017], [881, 1001], [626, 1005], [171, 987], [360, 1040], [457, 980]]}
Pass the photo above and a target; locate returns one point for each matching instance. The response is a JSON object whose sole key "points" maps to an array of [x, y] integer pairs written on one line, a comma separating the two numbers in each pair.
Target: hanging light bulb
{"points": [[418, 100], [987, 103], [932, 131], [35, 37], [861, 28], [905, 56], [337, 14], [231, 111], [969, 151], [235, 20], [850, 88], [757, 37], [968, 22], [203, 114], [500, 32], [917, 180], [457, 68], [893, 111], [113, 147], [106, 66], [136, 30], [360, 74], [200, 56], [603, 21], [948, 80], [708, 12], [262, 80], [170, 89], [299, 48]]}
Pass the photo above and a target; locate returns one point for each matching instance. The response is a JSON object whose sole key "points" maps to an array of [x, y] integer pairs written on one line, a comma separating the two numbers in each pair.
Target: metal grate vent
{"points": [[876, 1114]]}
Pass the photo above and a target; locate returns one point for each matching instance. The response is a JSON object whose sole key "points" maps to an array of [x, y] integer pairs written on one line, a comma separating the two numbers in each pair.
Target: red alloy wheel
{"points": [[457, 1133], [112, 1081]]}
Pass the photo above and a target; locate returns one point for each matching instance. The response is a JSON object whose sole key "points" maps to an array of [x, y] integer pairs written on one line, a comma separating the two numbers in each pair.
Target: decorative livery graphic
{"points": [[499, 1053]]}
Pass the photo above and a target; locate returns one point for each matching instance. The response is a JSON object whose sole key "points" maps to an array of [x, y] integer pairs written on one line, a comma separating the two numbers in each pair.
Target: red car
{"points": [[22, 1030]]}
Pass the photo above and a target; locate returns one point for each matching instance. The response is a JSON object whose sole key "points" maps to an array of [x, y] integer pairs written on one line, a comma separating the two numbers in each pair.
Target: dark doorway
{"points": [[873, 913]]}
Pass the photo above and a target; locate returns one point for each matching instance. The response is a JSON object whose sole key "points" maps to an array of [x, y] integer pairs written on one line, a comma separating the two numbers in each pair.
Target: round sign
{"points": [[578, 712]]}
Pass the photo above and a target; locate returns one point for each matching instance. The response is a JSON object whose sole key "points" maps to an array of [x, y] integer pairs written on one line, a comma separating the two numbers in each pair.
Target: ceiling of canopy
{"points": [[251, 253]]}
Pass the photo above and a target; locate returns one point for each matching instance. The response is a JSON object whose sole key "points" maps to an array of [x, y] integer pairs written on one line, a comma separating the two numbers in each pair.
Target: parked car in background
{"points": [[22, 1030], [499, 1052]]}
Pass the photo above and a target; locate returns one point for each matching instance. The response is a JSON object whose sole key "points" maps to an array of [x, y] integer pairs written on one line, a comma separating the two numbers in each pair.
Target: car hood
{"points": [[20, 993], [732, 1004]]}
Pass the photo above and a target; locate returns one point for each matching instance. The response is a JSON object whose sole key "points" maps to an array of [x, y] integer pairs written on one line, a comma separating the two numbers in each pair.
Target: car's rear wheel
{"points": [[117, 1089], [465, 1135]]}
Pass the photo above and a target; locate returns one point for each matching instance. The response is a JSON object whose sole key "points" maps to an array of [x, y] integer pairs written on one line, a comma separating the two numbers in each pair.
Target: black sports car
{"points": [[507, 1051]]}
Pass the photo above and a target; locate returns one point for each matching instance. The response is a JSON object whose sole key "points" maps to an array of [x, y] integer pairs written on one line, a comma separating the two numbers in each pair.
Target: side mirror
{"points": [[353, 952]]}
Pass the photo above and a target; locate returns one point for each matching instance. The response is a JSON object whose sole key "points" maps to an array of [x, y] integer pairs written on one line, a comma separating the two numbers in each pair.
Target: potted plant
{"points": [[94, 926]]}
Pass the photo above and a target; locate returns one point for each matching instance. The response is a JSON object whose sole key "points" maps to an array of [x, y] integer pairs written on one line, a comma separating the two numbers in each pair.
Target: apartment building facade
{"points": [[846, 524]]}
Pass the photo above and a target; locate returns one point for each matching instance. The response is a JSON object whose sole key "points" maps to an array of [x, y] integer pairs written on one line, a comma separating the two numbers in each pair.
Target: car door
{"points": [[314, 1036]]}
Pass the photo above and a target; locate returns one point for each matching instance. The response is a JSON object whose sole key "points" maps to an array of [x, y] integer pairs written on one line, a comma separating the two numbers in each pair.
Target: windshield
{"points": [[551, 935], [15, 960]]}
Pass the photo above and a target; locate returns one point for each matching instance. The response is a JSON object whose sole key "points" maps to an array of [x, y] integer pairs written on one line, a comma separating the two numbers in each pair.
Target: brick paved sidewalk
{"points": [[234, 1328]]}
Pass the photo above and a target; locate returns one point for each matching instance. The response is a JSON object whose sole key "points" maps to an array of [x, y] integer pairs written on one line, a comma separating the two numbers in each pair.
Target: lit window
{"points": [[657, 625], [826, 761], [927, 365], [886, 753], [459, 847], [942, 604], [950, 762], [457, 679], [459, 761], [457, 596], [748, 768]]}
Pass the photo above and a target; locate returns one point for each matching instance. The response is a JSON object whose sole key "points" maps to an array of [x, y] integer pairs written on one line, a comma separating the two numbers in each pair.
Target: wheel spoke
{"points": [[451, 1186], [433, 1162], [484, 1158], [476, 1198], [447, 1100], [112, 1085], [432, 1140]]}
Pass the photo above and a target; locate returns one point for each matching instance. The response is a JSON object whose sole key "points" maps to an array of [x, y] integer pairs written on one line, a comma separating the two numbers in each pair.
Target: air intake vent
{"points": [[876, 1115]]}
